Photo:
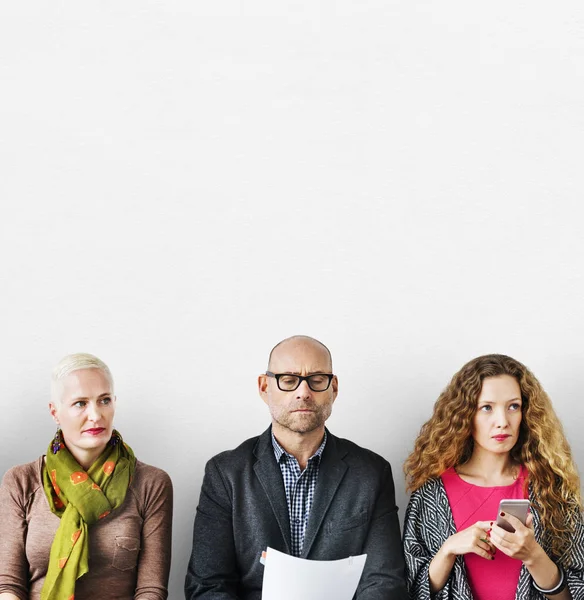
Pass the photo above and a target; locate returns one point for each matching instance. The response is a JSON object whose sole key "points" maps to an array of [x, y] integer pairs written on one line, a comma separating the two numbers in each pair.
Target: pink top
{"points": [[488, 579]]}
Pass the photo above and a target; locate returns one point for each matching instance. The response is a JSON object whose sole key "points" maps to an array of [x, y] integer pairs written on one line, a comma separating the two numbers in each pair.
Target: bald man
{"points": [[296, 488]]}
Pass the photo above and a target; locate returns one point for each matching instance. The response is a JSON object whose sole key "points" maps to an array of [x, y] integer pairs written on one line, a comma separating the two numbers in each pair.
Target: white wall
{"points": [[186, 183]]}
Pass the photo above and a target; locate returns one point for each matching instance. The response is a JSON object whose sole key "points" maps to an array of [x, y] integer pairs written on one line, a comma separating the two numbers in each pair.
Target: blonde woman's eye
{"points": [[486, 408], [515, 406]]}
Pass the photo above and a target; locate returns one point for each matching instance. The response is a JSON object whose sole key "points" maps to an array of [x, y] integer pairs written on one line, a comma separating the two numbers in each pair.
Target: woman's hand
{"points": [[472, 539], [521, 544]]}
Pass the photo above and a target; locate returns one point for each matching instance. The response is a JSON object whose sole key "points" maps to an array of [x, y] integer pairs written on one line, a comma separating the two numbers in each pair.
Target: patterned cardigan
{"points": [[428, 523]]}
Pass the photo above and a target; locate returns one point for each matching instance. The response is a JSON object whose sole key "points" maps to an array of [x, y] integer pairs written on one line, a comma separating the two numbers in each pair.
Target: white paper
{"points": [[290, 578]]}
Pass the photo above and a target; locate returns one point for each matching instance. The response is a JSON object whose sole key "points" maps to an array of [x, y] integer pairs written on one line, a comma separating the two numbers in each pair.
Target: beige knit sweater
{"points": [[129, 550]]}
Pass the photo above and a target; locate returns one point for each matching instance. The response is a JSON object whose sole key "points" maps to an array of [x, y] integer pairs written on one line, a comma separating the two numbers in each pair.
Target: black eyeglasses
{"points": [[317, 382]]}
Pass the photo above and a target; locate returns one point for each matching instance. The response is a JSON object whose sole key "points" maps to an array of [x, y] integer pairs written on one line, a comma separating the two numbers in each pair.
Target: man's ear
{"points": [[263, 385], [335, 386]]}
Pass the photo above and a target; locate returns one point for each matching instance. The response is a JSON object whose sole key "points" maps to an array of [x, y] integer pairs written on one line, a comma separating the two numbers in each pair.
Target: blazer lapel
{"points": [[330, 474], [268, 472]]}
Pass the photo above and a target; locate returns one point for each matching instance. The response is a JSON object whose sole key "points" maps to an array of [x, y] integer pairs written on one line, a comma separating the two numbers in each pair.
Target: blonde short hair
{"points": [[75, 362]]}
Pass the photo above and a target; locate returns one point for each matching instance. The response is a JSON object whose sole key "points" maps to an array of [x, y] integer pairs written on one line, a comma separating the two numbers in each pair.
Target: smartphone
{"points": [[518, 508]]}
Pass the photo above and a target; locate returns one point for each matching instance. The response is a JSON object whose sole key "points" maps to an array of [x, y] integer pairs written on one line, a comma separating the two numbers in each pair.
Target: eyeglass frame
{"points": [[277, 376]]}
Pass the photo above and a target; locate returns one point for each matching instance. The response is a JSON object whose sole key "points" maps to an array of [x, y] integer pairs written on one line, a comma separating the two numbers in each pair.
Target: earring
{"points": [[57, 442]]}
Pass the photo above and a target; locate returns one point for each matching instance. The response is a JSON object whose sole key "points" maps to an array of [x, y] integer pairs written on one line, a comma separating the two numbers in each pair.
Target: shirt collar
{"points": [[279, 451]]}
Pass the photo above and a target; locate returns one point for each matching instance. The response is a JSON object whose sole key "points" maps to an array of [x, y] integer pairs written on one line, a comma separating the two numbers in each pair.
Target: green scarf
{"points": [[80, 498]]}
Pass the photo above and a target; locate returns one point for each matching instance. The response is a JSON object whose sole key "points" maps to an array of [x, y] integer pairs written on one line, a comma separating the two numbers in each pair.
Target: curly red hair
{"points": [[446, 441]]}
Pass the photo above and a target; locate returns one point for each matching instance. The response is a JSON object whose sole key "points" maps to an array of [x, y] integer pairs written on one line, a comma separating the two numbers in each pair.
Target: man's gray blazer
{"points": [[242, 510]]}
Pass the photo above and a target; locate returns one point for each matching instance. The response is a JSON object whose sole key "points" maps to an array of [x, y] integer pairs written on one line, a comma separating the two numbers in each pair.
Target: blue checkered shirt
{"points": [[299, 486]]}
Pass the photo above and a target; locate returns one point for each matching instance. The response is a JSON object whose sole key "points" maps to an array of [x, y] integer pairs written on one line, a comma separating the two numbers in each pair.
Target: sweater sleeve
{"points": [[574, 559], [154, 558], [416, 551], [428, 523], [13, 526]]}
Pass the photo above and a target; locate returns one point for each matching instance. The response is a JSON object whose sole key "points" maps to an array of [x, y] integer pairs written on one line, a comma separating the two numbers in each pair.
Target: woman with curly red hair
{"points": [[493, 435]]}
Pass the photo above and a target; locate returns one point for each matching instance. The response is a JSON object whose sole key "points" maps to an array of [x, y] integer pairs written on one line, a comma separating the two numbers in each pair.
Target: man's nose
{"points": [[303, 390]]}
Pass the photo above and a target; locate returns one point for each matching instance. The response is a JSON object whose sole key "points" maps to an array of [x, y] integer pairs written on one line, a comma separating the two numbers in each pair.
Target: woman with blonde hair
{"points": [[493, 435], [87, 520]]}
